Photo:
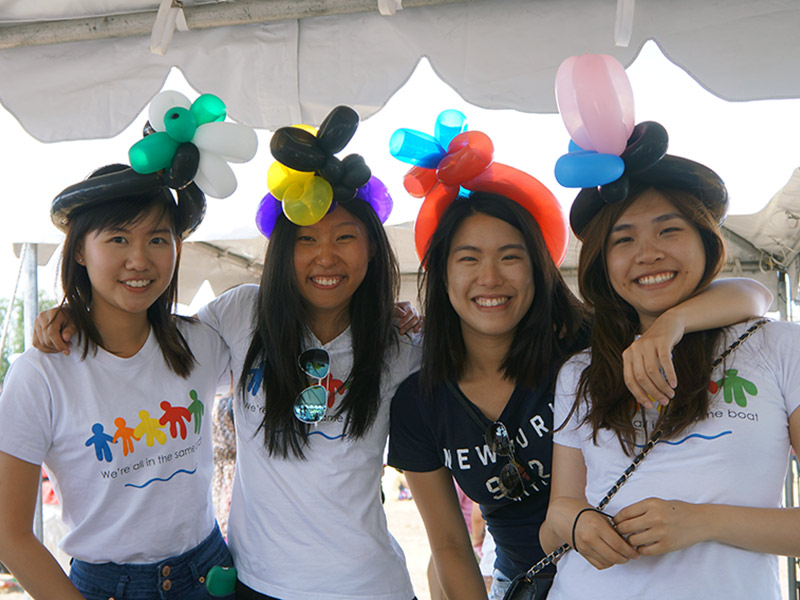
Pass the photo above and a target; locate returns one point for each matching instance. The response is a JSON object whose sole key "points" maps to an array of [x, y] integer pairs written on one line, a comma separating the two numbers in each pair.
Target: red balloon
{"points": [[467, 156], [419, 181], [533, 196]]}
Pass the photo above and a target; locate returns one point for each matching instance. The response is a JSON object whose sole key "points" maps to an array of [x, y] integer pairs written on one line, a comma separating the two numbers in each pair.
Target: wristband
{"points": [[575, 522]]}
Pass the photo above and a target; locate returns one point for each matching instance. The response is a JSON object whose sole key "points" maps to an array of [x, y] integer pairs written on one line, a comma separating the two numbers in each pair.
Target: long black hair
{"points": [[280, 332], [546, 333], [77, 287]]}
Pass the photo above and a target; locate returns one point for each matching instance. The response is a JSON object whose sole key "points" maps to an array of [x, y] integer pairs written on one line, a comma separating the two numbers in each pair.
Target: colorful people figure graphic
{"points": [[100, 439], [196, 409], [126, 434], [150, 429], [175, 415], [736, 387]]}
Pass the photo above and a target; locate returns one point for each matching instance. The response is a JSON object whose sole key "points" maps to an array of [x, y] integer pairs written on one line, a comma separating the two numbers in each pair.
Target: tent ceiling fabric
{"points": [[495, 53]]}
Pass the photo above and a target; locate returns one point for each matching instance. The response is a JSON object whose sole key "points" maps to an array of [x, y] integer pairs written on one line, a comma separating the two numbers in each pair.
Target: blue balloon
{"points": [[416, 148], [449, 124], [587, 168], [573, 147]]}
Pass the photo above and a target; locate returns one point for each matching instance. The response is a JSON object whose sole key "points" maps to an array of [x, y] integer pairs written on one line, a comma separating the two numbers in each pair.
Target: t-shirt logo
{"points": [[735, 388], [149, 429]]}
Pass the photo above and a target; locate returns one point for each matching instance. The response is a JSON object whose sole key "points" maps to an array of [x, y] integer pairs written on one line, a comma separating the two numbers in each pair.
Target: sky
{"points": [[750, 144]]}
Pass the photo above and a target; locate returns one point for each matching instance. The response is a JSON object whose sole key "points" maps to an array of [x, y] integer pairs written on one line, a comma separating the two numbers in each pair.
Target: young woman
{"points": [[706, 500], [306, 520], [119, 426], [499, 322]]}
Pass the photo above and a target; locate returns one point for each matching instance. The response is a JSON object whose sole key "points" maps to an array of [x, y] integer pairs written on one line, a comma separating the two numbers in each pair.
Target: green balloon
{"points": [[180, 124], [221, 581], [152, 153], [208, 108]]}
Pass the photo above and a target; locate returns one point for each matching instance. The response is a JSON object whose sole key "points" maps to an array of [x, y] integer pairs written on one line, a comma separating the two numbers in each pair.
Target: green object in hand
{"points": [[221, 581]]}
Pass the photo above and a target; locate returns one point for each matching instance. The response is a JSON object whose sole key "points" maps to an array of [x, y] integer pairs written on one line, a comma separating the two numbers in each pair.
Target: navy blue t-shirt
{"points": [[428, 433]]}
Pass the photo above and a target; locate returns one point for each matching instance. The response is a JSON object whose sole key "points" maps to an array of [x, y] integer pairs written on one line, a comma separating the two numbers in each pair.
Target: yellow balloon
{"points": [[309, 128], [280, 177], [305, 204]]}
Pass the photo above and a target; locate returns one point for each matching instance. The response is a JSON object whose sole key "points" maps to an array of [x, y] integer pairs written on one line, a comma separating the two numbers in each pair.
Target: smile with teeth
{"points": [[655, 279], [489, 302], [327, 281], [138, 283]]}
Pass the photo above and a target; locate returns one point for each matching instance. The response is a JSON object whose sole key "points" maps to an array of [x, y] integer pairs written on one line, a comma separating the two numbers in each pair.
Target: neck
{"points": [[327, 326], [485, 356], [122, 336]]}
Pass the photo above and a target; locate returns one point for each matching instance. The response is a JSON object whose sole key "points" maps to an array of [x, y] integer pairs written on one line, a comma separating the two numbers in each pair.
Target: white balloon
{"points": [[214, 176], [232, 141], [161, 103]]}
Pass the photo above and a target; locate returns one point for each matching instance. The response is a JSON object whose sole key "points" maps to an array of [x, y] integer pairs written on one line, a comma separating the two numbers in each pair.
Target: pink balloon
{"points": [[595, 100]]}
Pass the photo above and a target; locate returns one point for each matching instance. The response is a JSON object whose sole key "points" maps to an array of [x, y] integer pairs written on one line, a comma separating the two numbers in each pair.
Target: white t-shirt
{"points": [[311, 529], [738, 456], [126, 442]]}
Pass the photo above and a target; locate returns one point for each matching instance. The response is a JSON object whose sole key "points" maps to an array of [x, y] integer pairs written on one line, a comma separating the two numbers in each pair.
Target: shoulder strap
{"points": [[462, 399]]}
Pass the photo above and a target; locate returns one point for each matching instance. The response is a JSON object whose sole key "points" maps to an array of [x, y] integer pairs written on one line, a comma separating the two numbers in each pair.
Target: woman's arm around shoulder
{"points": [[25, 556], [647, 362], [437, 502]]}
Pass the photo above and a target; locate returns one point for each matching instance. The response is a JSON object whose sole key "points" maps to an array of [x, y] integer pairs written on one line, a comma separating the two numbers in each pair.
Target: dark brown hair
{"points": [[78, 288], [612, 406]]}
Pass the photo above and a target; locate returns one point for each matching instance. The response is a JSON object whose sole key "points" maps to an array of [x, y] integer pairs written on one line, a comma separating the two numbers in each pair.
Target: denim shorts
{"points": [[181, 577]]}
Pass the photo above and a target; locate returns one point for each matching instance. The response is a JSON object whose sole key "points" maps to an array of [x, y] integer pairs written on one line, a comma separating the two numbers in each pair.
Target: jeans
{"points": [[178, 578], [501, 583]]}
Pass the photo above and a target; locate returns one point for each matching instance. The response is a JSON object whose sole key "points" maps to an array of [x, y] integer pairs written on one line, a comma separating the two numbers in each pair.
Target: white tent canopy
{"points": [[495, 53]]}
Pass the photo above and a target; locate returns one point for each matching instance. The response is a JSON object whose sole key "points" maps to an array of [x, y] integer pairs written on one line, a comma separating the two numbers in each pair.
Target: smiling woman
{"points": [[684, 510], [70, 412]]}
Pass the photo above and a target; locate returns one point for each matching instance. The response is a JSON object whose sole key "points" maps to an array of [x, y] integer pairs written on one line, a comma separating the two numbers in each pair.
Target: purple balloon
{"points": [[377, 196], [267, 214]]}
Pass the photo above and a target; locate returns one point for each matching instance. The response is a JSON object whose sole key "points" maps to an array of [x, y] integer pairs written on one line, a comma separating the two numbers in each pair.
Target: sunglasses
{"points": [[311, 404], [513, 476]]}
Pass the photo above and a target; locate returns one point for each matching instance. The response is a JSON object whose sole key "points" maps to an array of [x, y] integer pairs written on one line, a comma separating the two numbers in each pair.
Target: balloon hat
{"points": [[607, 153], [186, 148], [120, 182], [307, 180], [454, 158], [192, 141]]}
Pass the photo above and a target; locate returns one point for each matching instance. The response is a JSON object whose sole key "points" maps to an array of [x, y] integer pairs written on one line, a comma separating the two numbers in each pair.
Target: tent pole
{"points": [[29, 311]]}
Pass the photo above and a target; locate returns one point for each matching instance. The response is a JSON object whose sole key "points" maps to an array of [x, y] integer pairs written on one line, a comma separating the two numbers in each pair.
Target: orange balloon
{"points": [[432, 209]]}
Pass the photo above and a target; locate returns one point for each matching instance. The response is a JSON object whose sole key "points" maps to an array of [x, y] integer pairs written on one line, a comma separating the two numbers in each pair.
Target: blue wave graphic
{"points": [[146, 483], [327, 437], [691, 435]]}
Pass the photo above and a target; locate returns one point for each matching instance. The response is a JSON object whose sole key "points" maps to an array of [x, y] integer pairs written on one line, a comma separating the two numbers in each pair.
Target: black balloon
{"points": [[646, 146], [337, 129], [333, 169], [183, 167], [147, 129], [356, 171], [616, 191], [297, 149]]}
